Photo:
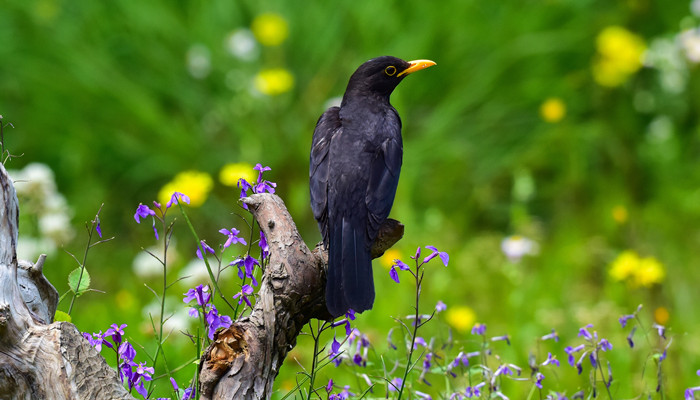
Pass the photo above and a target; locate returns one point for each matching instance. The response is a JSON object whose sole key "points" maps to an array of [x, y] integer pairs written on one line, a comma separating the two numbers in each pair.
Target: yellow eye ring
{"points": [[390, 70]]}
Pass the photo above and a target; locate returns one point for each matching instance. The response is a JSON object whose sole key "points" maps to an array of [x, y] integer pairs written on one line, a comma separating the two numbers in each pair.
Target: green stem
{"points": [[314, 362], [204, 257], [419, 280], [82, 269]]}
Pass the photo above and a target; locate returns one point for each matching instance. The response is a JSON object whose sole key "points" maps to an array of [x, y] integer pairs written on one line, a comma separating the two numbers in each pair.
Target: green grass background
{"points": [[100, 92]]}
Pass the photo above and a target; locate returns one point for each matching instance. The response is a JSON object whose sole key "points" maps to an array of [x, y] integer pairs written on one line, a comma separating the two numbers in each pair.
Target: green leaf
{"points": [[61, 316], [84, 281]]}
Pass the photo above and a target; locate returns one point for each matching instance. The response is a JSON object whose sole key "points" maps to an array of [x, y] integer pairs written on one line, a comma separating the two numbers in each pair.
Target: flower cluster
{"points": [[39, 196], [637, 271], [590, 350], [143, 211], [204, 305], [619, 56], [394, 274], [259, 186], [132, 374]]}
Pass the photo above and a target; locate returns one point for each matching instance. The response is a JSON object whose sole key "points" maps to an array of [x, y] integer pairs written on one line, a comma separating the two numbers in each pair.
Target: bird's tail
{"points": [[350, 284]]}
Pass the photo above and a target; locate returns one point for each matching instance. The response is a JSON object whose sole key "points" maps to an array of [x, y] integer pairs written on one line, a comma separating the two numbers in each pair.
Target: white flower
{"points": [[198, 61], [35, 179], [242, 45], [690, 42], [56, 226], [515, 247]]}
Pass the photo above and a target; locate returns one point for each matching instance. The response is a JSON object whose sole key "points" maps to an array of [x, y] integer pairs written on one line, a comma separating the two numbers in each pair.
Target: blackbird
{"points": [[356, 155]]}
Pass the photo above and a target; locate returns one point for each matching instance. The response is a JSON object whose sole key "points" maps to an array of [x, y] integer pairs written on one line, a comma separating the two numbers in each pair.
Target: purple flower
{"points": [[538, 380], [629, 337], [443, 256], [126, 352], [502, 370], [199, 293], [335, 347], [417, 256], [96, 340], [98, 229], [264, 247], [479, 329], [570, 351], [551, 360], [395, 384], [116, 331], [552, 335], [142, 211], [605, 345], [623, 319], [419, 341], [246, 267], [460, 359], [176, 198], [584, 332], [402, 265], [594, 361], [258, 167], [245, 186], [393, 274], [474, 391], [440, 306], [246, 290], [232, 237], [423, 395], [216, 321], [504, 338], [660, 329], [207, 249]]}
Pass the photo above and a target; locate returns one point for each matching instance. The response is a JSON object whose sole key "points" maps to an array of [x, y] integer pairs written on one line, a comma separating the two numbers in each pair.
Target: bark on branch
{"points": [[44, 360]]}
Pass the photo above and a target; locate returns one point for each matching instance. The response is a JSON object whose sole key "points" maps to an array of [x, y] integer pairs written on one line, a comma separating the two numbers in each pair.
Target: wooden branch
{"points": [[244, 360]]}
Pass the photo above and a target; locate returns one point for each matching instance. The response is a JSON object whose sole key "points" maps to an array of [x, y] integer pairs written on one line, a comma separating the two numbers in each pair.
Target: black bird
{"points": [[356, 155]]}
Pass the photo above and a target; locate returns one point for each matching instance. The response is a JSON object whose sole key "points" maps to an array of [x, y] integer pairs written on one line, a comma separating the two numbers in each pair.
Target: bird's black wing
{"points": [[384, 178], [326, 127]]}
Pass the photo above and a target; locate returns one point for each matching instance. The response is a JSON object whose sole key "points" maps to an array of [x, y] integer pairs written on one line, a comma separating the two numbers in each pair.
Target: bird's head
{"points": [[381, 75]]}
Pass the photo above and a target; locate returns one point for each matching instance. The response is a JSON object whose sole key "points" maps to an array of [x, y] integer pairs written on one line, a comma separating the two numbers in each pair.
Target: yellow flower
{"points": [[387, 259], [232, 172], [624, 265], [661, 315], [461, 318], [553, 110], [274, 81], [619, 56], [637, 271], [270, 29], [194, 184], [619, 214], [650, 271]]}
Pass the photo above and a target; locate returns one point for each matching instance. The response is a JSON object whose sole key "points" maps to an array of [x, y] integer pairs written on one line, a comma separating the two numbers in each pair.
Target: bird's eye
{"points": [[390, 70]]}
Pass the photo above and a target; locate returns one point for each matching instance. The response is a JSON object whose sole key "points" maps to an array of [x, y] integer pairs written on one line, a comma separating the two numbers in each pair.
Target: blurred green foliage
{"points": [[118, 97]]}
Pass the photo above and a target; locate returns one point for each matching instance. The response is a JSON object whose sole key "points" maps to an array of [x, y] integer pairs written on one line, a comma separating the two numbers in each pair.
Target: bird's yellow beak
{"points": [[417, 65]]}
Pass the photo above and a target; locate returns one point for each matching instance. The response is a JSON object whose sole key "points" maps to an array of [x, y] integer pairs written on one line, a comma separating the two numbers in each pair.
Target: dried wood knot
{"points": [[228, 345]]}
